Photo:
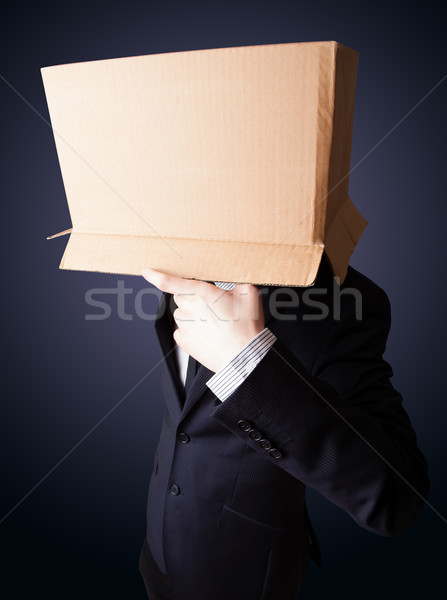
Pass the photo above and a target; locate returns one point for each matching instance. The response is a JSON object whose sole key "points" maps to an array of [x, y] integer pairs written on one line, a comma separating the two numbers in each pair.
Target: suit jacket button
{"points": [[265, 444], [183, 438], [275, 453], [255, 435], [174, 489], [244, 425]]}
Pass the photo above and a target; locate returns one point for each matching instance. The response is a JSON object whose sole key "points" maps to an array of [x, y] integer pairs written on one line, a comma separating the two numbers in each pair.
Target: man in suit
{"points": [[286, 388]]}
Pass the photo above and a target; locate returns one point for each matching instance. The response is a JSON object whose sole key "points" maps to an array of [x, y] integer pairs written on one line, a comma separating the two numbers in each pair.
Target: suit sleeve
{"points": [[341, 428]]}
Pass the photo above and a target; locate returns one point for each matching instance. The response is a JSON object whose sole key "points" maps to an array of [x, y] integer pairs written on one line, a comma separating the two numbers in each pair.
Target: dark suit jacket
{"points": [[226, 508]]}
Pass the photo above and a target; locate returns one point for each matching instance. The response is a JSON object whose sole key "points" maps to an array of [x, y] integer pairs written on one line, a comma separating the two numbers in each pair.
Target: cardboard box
{"points": [[228, 164]]}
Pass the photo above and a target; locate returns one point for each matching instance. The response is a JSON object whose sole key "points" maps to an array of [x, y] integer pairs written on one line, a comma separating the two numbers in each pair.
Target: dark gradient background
{"points": [[78, 534]]}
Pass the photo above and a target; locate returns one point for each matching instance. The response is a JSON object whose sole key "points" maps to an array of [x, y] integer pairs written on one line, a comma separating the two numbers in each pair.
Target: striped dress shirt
{"points": [[224, 382]]}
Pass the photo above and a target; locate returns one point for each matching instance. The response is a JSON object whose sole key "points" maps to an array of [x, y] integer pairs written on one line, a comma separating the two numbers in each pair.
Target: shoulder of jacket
{"points": [[374, 298]]}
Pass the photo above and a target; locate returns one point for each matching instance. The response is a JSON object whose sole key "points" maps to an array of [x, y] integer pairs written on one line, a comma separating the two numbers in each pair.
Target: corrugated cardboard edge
{"points": [[116, 254], [55, 235]]}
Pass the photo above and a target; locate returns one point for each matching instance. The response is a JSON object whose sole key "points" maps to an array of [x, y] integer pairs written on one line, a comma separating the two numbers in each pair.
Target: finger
{"points": [[245, 289], [178, 337], [181, 316], [171, 284], [183, 300], [249, 300]]}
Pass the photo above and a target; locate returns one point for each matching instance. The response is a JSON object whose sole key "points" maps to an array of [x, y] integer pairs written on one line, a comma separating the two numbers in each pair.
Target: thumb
{"points": [[245, 289], [249, 299]]}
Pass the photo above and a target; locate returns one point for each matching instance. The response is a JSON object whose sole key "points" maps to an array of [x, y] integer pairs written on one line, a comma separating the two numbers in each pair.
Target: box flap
{"points": [[342, 236], [239, 262]]}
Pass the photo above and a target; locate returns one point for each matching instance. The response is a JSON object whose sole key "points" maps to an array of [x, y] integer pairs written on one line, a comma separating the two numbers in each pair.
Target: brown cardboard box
{"points": [[228, 164]]}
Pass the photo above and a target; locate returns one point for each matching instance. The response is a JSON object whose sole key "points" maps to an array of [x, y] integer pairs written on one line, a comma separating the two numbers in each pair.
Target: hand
{"points": [[213, 324]]}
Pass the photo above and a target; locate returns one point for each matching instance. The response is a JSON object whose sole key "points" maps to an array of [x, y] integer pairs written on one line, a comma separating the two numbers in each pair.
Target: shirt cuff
{"points": [[224, 382]]}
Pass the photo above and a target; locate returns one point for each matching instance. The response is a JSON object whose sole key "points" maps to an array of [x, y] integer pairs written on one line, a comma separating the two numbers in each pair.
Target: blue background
{"points": [[79, 533]]}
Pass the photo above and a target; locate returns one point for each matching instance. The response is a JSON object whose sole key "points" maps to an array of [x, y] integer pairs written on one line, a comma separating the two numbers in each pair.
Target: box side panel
{"points": [[324, 136], [345, 83], [344, 223], [272, 264]]}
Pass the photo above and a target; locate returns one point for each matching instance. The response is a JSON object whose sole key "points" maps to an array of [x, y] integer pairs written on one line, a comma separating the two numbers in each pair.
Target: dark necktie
{"points": [[190, 374], [192, 363]]}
